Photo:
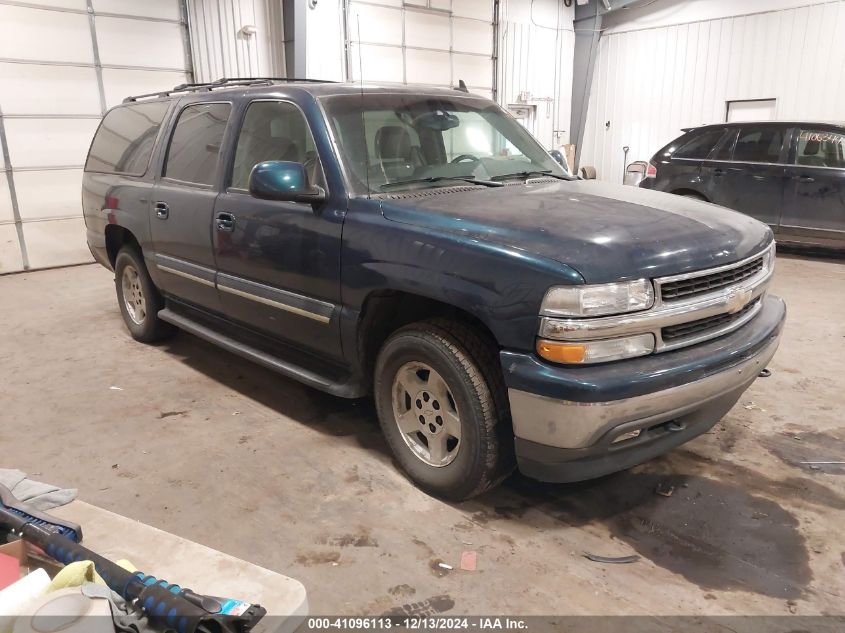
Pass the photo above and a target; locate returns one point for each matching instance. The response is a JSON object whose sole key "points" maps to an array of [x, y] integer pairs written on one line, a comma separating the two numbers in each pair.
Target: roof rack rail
{"points": [[223, 82], [290, 80]]}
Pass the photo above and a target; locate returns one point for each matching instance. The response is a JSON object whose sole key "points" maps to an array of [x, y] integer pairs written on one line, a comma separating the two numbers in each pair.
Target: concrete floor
{"points": [[209, 447]]}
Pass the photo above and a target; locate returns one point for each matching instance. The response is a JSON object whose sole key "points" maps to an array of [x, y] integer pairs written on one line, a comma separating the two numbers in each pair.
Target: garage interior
{"points": [[202, 444]]}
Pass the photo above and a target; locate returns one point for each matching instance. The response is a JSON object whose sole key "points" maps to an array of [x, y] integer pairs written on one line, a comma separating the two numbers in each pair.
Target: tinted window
{"points": [[701, 145], [195, 144], [273, 130], [725, 148], [125, 139], [758, 145], [821, 149]]}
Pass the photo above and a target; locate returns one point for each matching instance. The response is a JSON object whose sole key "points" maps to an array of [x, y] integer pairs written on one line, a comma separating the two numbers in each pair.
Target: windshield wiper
{"points": [[532, 174], [469, 179]]}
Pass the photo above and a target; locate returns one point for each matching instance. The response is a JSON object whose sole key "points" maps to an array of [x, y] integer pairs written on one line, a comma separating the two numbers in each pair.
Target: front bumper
{"points": [[576, 423]]}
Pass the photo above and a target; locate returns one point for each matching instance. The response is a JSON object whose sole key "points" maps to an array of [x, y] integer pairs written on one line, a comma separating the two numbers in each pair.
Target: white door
{"points": [[751, 110], [432, 42], [63, 63]]}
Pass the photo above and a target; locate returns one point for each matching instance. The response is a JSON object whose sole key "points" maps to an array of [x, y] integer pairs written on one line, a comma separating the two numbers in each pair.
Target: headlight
{"points": [[769, 257], [602, 351], [598, 299]]}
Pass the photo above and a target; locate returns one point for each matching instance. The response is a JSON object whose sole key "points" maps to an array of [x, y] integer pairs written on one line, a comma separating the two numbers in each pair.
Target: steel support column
{"points": [[587, 24]]}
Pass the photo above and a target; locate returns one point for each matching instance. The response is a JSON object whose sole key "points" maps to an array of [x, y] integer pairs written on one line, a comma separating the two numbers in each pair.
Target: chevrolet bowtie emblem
{"points": [[736, 301]]}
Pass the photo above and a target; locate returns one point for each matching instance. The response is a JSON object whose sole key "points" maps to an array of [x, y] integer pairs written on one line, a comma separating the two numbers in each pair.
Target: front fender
{"points": [[499, 285]]}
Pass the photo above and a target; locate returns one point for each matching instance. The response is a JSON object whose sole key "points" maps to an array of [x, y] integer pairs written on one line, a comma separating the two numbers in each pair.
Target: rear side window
{"points": [[701, 145], [758, 145], [125, 139], [821, 149], [195, 144]]}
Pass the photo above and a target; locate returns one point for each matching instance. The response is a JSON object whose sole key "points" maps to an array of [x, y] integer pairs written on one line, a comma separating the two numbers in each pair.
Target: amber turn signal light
{"points": [[560, 352]]}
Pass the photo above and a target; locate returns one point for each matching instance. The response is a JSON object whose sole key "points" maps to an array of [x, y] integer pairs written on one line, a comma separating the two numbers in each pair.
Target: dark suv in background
{"points": [[420, 245], [790, 175]]}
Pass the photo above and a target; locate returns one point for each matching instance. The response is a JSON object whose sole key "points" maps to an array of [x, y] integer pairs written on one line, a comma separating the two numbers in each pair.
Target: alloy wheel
{"points": [[426, 414], [133, 295]]}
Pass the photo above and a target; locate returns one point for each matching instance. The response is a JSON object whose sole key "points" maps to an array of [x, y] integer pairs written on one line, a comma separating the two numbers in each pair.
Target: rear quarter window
{"points": [[700, 145], [125, 139]]}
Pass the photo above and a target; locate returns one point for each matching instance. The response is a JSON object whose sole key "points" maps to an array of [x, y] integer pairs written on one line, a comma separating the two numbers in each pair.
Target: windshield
{"points": [[401, 142]]}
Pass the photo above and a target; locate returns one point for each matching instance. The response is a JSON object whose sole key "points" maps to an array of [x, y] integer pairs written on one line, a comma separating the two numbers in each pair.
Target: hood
{"points": [[606, 232]]}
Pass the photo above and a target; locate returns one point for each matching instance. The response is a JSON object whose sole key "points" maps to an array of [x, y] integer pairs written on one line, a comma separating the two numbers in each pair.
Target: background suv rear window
{"points": [[195, 144], [125, 139], [701, 145]]}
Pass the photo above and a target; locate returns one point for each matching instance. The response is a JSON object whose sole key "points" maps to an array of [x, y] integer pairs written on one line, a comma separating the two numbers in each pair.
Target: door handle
{"points": [[758, 177], [162, 210], [225, 222], [718, 172], [805, 179]]}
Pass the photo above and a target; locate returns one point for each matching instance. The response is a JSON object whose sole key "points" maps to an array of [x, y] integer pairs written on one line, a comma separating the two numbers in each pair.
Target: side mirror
{"points": [[284, 181]]}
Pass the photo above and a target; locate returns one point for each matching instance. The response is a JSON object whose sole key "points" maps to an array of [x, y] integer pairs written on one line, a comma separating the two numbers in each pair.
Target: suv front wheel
{"points": [[442, 408], [138, 298]]}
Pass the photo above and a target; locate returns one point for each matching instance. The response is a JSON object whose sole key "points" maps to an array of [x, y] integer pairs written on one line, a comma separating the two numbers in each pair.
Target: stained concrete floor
{"points": [[195, 441]]}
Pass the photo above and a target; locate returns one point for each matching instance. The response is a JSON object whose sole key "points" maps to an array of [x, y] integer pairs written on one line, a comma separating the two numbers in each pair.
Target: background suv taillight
{"points": [[651, 171]]}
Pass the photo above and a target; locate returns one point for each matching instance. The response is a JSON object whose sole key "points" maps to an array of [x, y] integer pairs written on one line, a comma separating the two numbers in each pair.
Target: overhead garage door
{"points": [[433, 42], [62, 64]]}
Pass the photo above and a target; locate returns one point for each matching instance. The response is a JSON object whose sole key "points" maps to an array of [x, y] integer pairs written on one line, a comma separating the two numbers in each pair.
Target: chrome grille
{"points": [[693, 286], [702, 326], [714, 302]]}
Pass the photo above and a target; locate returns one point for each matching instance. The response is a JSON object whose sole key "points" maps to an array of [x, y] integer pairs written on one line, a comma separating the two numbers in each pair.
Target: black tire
{"points": [[144, 325], [469, 366]]}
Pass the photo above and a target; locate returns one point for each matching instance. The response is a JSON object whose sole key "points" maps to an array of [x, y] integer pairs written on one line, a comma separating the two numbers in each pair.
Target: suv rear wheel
{"points": [[138, 298], [442, 408]]}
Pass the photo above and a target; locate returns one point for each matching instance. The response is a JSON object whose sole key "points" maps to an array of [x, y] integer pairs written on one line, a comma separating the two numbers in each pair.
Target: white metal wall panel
{"points": [[44, 142], [44, 35], [428, 67], [61, 63], [56, 242], [382, 63], [434, 42], [478, 9], [426, 30], [650, 83], [121, 39], [221, 48], [10, 249], [48, 194], [120, 82], [378, 25], [473, 66], [473, 36], [161, 9], [6, 214], [37, 89], [78, 5], [536, 51]]}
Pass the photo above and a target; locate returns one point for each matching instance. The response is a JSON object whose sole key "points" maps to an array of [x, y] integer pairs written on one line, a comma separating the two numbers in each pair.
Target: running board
{"points": [[349, 388]]}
